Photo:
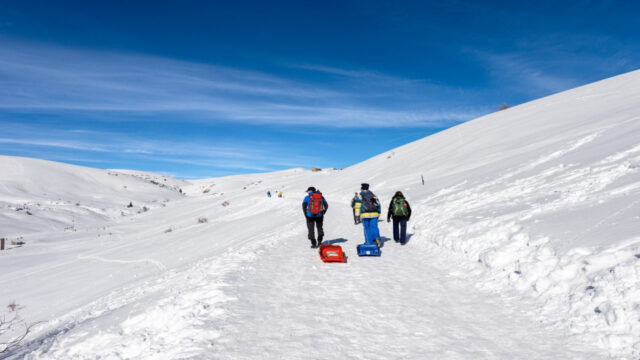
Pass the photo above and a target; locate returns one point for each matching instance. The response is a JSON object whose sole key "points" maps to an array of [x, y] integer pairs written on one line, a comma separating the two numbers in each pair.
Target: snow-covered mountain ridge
{"points": [[539, 203]]}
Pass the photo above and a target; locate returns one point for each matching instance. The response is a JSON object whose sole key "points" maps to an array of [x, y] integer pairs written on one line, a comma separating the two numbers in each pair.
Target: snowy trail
{"points": [[293, 306], [275, 299]]}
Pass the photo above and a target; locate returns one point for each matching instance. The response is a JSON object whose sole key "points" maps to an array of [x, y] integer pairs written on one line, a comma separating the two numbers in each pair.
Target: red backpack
{"points": [[315, 203]]}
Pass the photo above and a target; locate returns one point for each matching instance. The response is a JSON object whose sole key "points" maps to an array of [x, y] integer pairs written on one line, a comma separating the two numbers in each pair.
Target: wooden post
{"points": [[1, 243]]}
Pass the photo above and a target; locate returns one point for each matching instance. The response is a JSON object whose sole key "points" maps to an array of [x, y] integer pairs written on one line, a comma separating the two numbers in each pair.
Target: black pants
{"points": [[401, 225], [318, 224]]}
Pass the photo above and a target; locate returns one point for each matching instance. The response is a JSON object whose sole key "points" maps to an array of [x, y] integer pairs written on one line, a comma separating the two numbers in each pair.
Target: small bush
{"points": [[202, 220], [11, 323]]}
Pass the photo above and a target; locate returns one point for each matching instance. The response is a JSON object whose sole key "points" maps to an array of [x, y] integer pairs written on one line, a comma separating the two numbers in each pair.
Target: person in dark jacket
{"points": [[400, 210], [314, 206], [369, 213]]}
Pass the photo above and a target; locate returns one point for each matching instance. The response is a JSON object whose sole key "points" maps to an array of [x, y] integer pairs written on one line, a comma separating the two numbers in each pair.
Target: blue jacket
{"points": [[305, 204]]}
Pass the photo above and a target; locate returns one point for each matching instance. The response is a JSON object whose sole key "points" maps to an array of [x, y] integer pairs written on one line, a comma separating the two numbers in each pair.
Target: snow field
{"points": [[273, 298], [601, 283]]}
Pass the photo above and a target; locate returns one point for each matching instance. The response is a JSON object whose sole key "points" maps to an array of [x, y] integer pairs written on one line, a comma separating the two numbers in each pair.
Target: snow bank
{"points": [[546, 196]]}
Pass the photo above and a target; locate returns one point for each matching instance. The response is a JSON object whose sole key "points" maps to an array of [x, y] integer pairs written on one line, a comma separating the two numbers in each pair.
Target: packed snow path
{"points": [[275, 299], [291, 305]]}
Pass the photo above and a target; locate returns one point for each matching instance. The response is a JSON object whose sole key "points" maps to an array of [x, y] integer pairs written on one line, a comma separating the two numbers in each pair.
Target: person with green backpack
{"points": [[400, 210]]}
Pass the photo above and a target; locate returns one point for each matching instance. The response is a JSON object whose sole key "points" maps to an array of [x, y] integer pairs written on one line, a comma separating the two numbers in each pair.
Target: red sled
{"points": [[332, 253]]}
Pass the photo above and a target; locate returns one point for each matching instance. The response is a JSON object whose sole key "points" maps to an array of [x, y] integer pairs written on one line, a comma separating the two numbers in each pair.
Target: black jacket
{"points": [[390, 212]]}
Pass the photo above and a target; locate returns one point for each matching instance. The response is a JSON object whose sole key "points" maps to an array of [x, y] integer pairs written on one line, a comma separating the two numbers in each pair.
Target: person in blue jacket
{"points": [[369, 214], [314, 206]]}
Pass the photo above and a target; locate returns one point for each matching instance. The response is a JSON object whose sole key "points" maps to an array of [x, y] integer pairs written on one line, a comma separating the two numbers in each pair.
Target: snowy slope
{"points": [[546, 196], [525, 244], [57, 195]]}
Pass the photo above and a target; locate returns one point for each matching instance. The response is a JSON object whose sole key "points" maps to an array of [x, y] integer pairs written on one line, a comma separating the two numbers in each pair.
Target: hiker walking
{"points": [[400, 211], [268, 194], [356, 202], [314, 206], [369, 213]]}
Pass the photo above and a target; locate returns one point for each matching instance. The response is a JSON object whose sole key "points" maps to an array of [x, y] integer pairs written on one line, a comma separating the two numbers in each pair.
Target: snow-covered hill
{"points": [[525, 244]]}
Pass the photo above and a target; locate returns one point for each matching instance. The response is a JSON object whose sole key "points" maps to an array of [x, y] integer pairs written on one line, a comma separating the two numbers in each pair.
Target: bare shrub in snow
{"points": [[168, 230], [14, 327], [202, 220]]}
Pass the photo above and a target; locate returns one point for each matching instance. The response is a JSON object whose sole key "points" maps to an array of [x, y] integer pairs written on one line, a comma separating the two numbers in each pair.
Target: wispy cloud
{"points": [[63, 103], [517, 72], [54, 79], [253, 155], [552, 63], [364, 76]]}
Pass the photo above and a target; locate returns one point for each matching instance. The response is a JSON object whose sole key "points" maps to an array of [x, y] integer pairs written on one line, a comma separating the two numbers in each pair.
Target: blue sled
{"points": [[368, 250]]}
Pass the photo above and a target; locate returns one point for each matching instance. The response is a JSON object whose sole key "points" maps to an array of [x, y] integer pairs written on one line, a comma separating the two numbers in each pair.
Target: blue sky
{"points": [[212, 88]]}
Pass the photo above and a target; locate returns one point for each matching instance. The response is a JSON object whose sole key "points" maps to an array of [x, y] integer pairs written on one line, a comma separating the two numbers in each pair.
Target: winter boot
{"points": [[313, 244]]}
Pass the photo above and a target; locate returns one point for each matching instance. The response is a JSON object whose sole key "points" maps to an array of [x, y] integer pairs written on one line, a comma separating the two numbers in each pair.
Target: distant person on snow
{"points": [[268, 193], [356, 202], [369, 214], [280, 194], [400, 210], [314, 206]]}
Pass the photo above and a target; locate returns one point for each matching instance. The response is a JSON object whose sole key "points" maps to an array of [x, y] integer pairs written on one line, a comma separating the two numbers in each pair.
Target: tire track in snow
{"points": [[156, 263]]}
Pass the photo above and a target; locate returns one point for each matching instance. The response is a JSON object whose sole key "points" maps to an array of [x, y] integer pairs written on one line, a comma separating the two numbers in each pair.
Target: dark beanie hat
{"points": [[311, 188], [364, 186]]}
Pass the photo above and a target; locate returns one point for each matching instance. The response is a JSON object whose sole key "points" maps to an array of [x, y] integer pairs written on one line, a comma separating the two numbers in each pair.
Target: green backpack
{"points": [[400, 207]]}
